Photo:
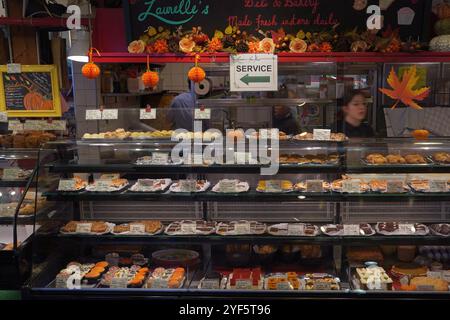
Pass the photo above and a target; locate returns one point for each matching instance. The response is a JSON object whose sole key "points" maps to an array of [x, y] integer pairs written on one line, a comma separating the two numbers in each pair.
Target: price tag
{"points": [[434, 274], [146, 182], [13, 68], [351, 230], [147, 113], [188, 185], [285, 285], [32, 125], [394, 186], [406, 229], [110, 114], [83, 228], [202, 114], [3, 117], [103, 184], [295, 229], [321, 285], [322, 134], [93, 115], [67, 185], [57, 125], [121, 282], [137, 228], [160, 283], [11, 173], [242, 228], [228, 186], [15, 125], [351, 185], [446, 275], [188, 228], [211, 284], [243, 284], [314, 185], [424, 287], [273, 186], [438, 186], [160, 158]]}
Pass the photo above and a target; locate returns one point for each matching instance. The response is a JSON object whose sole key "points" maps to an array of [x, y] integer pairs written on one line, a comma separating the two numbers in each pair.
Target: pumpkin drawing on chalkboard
{"points": [[33, 101], [47, 105]]}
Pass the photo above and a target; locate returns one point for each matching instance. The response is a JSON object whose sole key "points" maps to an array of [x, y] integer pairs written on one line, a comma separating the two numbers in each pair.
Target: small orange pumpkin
{"points": [[420, 134], [196, 73], [90, 70], [150, 78]]}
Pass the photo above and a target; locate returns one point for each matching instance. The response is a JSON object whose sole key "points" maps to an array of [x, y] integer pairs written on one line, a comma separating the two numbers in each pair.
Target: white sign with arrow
{"points": [[254, 72]]}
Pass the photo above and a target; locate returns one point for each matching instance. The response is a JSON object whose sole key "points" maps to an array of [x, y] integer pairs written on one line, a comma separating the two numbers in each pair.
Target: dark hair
{"points": [[348, 97]]}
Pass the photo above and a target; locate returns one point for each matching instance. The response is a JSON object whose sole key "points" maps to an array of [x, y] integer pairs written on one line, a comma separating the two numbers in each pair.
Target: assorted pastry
{"points": [[191, 227], [124, 277], [241, 227], [383, 186], [245, 279], [161, 134], [162, 278], [424, 185], [319, 281], [440, 229], [87, 227], [293, 229], [183, 186], [150, 185], [17, 174], [308, 159], [348, 185], [231, 186], [275, 186], [312, 186], [282, 281], [441, 157], [75, 184], [156, 160], [373, 278], [338, 137], [30, 206], [380, 159], [26, 139], [362, 229], [144, 227], [107, 185]]}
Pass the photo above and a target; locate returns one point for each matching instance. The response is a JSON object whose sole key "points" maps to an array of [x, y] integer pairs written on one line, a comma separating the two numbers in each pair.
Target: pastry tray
{"points": [[110, 227], [166, 186], [285, 230], [129, 233], [173, 188], [106, 191], [397, 232], [437, 233], [341, 232]]}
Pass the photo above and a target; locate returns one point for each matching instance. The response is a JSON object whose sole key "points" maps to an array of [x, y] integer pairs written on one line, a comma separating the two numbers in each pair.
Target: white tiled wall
{"points": [[174, 76]]}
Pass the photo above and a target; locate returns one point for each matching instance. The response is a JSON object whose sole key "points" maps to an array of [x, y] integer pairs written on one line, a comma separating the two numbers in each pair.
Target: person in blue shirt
{"points": [[181, 110]]}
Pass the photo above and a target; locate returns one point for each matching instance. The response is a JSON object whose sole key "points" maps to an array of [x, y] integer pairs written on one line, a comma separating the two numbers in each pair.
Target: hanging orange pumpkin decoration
{"points": [[150, 78], [90, 70], [196, 73]]}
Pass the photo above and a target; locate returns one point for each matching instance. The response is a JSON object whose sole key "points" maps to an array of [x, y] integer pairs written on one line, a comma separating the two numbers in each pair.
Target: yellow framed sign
{"points": [[34, 92]]}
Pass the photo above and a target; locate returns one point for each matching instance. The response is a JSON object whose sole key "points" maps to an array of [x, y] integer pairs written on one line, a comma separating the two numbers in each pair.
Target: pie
{"points": [[442, 157], [415, 159]]}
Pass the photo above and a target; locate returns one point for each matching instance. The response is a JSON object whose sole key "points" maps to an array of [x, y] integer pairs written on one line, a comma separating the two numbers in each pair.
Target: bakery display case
{"points": [[341, 219], [17, 211]]}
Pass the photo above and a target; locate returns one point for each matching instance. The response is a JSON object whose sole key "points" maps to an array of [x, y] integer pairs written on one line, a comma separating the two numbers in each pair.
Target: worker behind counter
{"points": [[284, 120]]}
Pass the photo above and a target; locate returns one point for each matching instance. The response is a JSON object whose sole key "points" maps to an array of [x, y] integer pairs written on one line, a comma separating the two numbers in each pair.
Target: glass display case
{"points": [[350, 219], [17, 212]]}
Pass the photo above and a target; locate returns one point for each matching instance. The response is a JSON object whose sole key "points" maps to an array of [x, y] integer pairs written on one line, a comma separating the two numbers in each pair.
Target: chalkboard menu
{"points": [[31, 93], [251, 15]]}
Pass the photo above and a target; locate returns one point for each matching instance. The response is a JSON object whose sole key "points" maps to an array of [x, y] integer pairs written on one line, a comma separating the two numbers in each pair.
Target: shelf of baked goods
{"points": [[331, 57]]}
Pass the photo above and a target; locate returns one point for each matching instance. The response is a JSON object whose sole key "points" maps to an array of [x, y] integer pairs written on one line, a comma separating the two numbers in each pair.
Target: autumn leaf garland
{"points": [[403, 90]]}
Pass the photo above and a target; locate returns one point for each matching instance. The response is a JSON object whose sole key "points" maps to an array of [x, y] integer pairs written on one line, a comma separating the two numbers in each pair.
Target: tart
{"points": [[376, 158], [395, 159], [415, 159], [441, 157]]}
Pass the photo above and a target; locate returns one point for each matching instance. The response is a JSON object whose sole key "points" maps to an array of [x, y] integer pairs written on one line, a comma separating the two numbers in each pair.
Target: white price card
{"points": [[273, 186], [351, 185], [136, 228], [446, 275], [202, 114], [434, 274], [103, 184], [406, 229], [243, 284], [146, 182], [11, 173], [322, 134], [57, 125], [160, 158], [228, 186], [110, 114], [314, 185], [188, 228], [147, 113], [352, 230], [93, 114], [15, 125], [210, 284], [285, 285], [118, 283], [242, 228], [3, 117], [67, 185], [438, 186], [394, 186], [295, 229], [83, 228], [32, 125], [188, 185], [322, 285], [13, 68]]}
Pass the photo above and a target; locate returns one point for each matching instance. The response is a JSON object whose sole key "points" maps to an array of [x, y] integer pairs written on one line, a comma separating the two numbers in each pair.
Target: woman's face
{"points": [[357, 108]]}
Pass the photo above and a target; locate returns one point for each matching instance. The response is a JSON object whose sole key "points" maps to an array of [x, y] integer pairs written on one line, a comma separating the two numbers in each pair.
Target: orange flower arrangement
{"points": [[149, 49], [326, 47], [314, 47], [298, 45], [187, 45], [137, 46], [267, 45], [214, 45], [161, 46], [253, 47]]}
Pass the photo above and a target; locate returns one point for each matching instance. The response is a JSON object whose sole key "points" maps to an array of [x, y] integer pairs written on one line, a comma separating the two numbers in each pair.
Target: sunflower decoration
{"points": [[196, 74]]}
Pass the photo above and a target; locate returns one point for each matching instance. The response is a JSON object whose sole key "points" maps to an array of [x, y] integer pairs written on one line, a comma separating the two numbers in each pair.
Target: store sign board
{"points": [[254, 72]]}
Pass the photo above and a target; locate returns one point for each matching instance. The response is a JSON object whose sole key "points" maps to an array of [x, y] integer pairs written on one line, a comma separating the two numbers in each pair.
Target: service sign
{"points": [[254, 72]]}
